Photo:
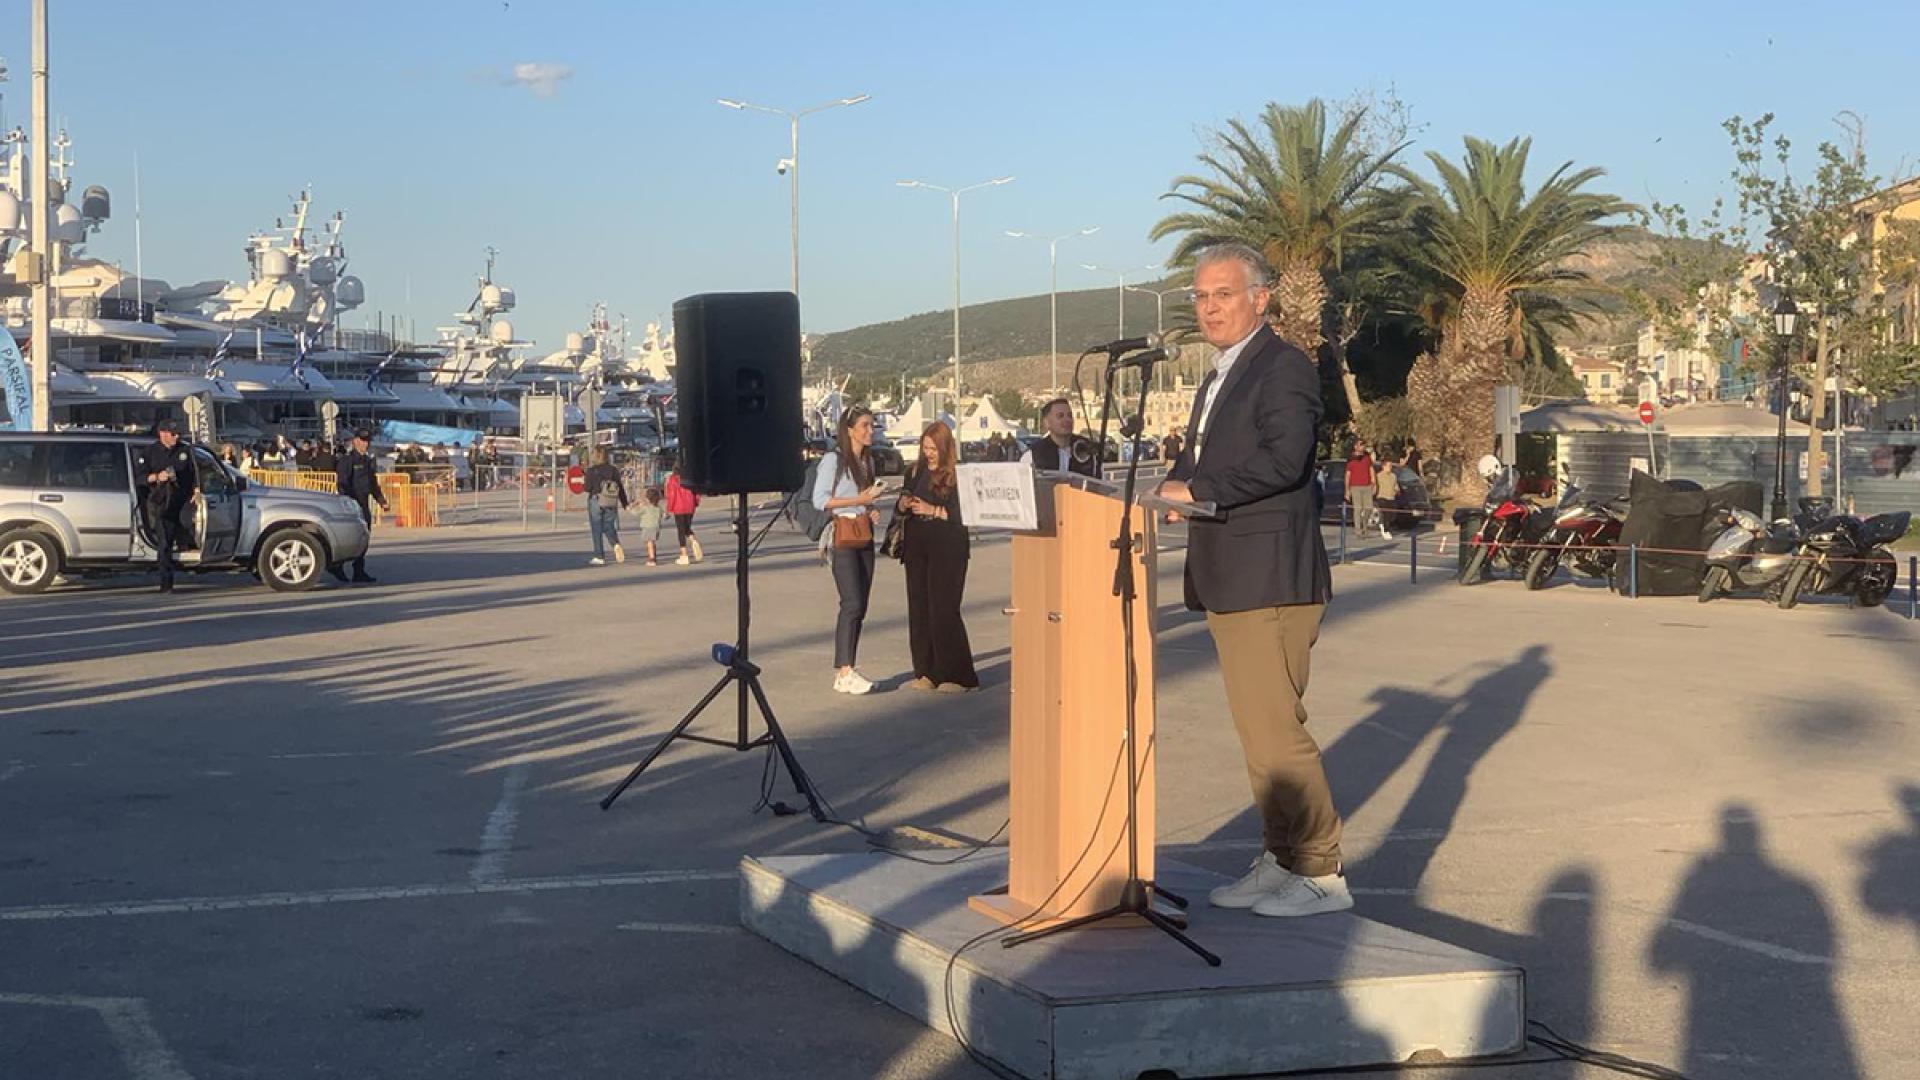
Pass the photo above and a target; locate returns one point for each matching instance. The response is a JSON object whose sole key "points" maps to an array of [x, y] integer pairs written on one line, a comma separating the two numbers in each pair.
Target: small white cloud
{"points": [[542, 78]]}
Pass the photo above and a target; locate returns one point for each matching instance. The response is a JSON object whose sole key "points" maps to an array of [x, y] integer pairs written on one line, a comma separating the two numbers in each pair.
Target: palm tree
{"points": [[1505, 262], [1302, 196]]}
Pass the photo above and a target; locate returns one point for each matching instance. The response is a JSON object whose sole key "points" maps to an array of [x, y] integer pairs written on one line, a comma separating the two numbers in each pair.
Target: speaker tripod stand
{"points": [[744, 676]]}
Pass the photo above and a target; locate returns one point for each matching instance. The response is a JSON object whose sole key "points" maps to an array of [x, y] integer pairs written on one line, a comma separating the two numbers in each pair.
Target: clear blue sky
{"points": [[628, 184]]}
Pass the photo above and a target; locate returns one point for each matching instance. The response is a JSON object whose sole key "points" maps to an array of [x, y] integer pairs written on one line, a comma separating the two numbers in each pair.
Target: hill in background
{"points": [[1005, 345]]}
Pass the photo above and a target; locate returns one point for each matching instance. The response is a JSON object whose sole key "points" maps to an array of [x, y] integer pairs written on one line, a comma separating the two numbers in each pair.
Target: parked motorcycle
{"points": [[1750, 554], [1583, 534], [1845, 556], [1509, 526]]}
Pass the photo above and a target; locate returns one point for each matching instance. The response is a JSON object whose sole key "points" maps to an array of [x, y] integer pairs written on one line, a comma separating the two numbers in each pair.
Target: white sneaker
{"points": [[839, 682], [1307, 896], [1266, 878], [682, 560], [596, 561], [858, 683]]}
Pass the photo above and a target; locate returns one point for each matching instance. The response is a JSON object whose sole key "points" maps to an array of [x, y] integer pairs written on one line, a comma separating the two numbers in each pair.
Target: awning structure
{"points": [[1724, 418], [275, 380], [153, 386], [419, 397], [1560, 417]]}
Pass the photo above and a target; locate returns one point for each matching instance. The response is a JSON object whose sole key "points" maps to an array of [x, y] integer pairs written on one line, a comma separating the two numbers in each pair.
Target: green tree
{"points": [[1811, 229], [1505, 262], [1301, 191]]}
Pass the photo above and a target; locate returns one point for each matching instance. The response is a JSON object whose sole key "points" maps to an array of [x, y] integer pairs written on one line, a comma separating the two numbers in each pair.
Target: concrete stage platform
{"points": [[1110, 1004]]}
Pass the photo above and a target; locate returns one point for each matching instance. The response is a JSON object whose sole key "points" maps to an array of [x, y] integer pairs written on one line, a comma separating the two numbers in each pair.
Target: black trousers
{"points": [[167, 526], [366, 515], [853, 577], [936, 582]]}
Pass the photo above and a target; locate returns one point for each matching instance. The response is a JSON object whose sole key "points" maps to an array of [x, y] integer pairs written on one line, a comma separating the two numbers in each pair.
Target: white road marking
{"points": [[12, 770], [680, 927], [130, 1026], [310, 757], [1763, 948], [196, 904], [497, 837]]}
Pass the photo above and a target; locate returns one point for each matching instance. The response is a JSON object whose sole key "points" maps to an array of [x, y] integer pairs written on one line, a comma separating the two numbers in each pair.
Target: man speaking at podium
{"points": [[1259, 571]]}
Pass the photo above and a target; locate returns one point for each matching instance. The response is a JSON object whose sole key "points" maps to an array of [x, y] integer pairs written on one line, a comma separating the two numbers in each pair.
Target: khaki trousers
{"points": [[1264, 658]]}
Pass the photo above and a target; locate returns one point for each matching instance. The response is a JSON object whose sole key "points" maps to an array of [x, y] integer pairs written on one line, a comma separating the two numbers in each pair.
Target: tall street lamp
{"points": [[1053, 292], [1784, 314], [1159, 314], [954, 194], [1120, 290], [790, 165]]}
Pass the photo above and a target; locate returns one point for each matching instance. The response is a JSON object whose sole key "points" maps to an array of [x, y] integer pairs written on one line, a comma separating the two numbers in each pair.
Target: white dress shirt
{"points": [[1222, 364]]}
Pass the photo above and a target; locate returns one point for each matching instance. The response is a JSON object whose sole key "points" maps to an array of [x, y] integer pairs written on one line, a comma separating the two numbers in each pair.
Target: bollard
{"points": [[1343, 536], [1413, 557], [1913, 586], [1633, 571]]}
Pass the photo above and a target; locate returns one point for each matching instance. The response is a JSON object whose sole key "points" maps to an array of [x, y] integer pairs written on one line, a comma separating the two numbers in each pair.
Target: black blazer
{"points": [[1256, 465]]}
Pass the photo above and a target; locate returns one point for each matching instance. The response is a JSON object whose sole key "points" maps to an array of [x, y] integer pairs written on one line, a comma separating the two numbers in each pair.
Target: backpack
{"points": [[810, 518], [610, 494]]}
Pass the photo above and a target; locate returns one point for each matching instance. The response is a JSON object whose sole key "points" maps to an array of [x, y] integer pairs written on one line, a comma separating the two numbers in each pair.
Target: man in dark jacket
{"points": [[164, 469], [1259, 570], [1062, 450], [356, 477]]}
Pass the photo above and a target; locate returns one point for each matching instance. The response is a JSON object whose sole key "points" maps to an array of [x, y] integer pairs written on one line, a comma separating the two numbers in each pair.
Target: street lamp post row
{"points": [[954, 195], [1053, 294]]}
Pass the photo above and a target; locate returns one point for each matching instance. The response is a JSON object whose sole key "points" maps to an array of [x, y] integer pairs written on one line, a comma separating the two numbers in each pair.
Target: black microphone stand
{"points": [[1136, 895]]}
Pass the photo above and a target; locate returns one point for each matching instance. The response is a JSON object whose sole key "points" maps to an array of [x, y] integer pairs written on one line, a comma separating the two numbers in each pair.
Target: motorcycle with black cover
{"points": [[1845, 556]]}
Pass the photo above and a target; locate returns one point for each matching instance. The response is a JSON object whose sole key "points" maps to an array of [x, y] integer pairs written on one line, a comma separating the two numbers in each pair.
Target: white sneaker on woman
{"points": [[858, 683], [1266, 878]]}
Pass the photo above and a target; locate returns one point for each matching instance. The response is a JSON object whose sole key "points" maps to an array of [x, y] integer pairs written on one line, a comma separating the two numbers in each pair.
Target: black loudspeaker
{"points": [[737, 378]]}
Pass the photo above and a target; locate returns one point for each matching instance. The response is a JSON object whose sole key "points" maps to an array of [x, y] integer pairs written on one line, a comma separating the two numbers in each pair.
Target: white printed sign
{"points": [[998, 495]]}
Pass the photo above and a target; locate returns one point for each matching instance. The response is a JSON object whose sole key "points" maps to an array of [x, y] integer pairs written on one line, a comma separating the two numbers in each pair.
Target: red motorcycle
{"points": [[1509, 528], [1584, 534]]}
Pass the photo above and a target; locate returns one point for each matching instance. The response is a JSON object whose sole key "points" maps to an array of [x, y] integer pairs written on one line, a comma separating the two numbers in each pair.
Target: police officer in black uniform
{"points": [[1062, 450], [355, 478], [165, 471]]}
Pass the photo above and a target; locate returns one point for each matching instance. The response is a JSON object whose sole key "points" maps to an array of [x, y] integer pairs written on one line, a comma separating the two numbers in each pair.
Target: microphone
{"points": [[1142, 359], [1114, 348]]}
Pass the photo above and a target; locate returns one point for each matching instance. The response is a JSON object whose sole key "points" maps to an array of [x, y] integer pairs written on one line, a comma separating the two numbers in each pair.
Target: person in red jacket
{"points": [[681, 503]]}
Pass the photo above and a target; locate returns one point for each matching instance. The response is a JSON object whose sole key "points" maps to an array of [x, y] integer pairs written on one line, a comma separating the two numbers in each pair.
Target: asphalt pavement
{"points": [[356, 832]]}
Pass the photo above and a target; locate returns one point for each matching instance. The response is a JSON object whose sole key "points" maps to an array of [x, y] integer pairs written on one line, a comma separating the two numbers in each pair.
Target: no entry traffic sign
{"points": [[1646, 413]]}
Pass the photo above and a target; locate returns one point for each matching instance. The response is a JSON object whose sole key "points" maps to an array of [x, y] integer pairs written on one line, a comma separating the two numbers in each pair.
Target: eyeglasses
{"points": [[1219, 296]]}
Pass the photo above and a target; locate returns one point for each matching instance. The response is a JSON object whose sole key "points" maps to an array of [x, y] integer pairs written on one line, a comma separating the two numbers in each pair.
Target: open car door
{"points": [[217, 522]]}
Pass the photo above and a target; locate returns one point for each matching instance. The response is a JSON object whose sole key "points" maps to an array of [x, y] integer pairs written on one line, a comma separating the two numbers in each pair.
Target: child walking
{"points": [[651, 514]]}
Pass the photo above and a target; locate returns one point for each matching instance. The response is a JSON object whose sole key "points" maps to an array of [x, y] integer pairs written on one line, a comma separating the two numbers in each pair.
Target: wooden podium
{"points": [[1066, 853]]}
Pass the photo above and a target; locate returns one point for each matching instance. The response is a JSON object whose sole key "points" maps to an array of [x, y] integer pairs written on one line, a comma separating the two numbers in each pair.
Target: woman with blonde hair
{"points": [[937, 550]]}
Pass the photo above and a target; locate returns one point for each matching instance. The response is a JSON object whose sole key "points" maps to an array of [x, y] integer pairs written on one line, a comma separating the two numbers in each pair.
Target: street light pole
{"points": [[954, 195], [1159, 317], [791, 166], [1783, 320], [1053, 294], [41, 302], [1120, 290]]}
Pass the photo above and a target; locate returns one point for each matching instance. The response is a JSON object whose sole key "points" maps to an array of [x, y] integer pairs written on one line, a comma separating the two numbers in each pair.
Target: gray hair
{"points": [[1259, 272]]}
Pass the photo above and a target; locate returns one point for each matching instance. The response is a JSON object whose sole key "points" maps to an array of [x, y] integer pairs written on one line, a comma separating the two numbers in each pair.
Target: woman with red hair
{"points": [[936, 563]]}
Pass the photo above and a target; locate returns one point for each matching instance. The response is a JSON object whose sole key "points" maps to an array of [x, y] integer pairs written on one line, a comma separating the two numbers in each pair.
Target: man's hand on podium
{"points": [[1177, 491]]}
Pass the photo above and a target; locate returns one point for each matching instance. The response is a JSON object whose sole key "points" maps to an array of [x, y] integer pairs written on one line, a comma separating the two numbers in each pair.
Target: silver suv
{"points": [[69, 506]]}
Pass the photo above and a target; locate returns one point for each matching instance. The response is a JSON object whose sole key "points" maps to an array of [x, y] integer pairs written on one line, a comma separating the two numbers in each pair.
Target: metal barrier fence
{"points": [[410, 505], [1443, 544]]}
